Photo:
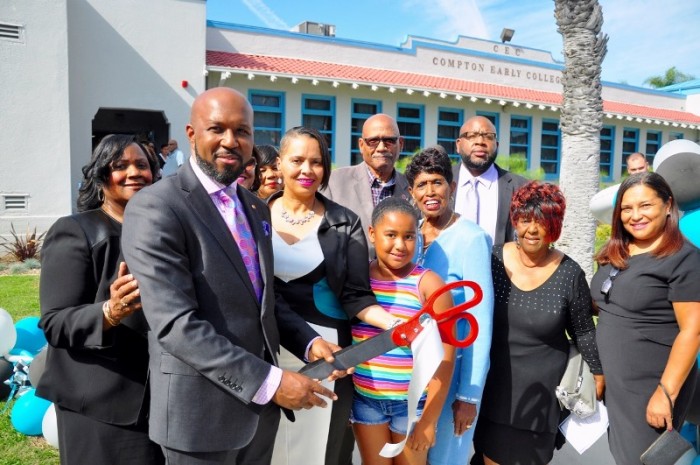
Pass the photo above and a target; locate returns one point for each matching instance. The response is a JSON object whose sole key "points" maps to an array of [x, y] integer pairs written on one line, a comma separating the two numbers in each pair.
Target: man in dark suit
{"points": [[484, 190], [201, 250], [361, 187]]}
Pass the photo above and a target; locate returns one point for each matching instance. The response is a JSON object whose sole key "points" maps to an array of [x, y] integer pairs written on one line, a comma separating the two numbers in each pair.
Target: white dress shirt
{"points": [[488, 197]]}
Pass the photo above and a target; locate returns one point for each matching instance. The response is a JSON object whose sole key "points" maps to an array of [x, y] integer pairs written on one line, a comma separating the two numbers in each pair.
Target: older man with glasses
{"points": [[484, 189], [361, 187]]}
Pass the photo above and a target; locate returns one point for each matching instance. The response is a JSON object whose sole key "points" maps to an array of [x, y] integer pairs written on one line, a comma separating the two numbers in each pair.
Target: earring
{"points": [[517, 242]]}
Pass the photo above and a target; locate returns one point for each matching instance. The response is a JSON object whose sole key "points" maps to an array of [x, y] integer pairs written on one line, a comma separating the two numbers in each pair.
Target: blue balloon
{"points": [[28, 413], [29, 336], [690, 226], [696, 460]]}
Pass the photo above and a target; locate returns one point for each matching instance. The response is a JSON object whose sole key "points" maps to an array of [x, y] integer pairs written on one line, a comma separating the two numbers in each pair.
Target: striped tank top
{"points": [[386, 377]]}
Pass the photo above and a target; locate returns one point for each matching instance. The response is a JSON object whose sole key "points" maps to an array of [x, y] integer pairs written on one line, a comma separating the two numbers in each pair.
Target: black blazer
{"points": [[508, 183], [100, 374], [344, 249]]}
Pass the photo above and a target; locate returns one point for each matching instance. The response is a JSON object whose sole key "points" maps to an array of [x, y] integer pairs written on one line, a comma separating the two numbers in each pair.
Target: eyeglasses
{"points": [[490, 136], [608, 283], [373, 142]]}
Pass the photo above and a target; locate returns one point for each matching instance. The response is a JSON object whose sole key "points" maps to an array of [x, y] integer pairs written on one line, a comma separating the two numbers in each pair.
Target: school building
{"points": [[75, 70]]}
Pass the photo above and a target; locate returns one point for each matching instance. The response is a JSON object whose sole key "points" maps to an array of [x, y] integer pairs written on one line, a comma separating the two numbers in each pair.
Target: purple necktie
{"points": [[237, 223]]}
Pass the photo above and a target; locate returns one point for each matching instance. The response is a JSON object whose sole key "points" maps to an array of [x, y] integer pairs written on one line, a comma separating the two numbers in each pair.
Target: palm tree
{"points": [[579, 22], [670, 77]]}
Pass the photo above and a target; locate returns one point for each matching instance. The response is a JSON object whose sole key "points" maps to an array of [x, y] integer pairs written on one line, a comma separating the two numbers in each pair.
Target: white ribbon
{"points": [[427, 355]]}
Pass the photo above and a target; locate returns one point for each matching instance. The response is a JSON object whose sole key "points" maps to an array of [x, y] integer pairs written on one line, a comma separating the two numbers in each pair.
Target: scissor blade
{"points": [[351, 356]]}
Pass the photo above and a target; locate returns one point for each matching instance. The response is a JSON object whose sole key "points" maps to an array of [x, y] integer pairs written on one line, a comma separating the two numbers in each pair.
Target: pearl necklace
{"points": [[305, 219]]}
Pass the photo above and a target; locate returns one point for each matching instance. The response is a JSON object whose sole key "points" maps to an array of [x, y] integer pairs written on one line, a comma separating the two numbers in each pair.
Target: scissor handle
{"points": [[457, 309], [404, 334], [448, 330]]}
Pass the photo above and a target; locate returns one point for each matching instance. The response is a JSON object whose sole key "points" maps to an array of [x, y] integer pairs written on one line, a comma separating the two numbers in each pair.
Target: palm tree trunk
{"points": [[579, 22]]}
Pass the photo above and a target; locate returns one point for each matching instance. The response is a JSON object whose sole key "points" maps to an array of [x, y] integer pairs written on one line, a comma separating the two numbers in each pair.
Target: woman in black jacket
{"points": [[322, 272], [97, 359]]}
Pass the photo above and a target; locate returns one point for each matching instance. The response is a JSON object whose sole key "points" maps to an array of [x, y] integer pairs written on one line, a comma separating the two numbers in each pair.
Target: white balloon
{"points": [[678, 162], [49, 426], [8, 333], [603, 203]]}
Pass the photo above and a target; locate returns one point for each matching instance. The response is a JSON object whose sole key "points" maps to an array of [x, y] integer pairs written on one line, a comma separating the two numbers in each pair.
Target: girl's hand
{"points": [[125, 297], [423, 436]]}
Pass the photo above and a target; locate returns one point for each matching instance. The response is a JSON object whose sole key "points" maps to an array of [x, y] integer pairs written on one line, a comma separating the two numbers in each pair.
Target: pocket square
{"points": [[266, 228]]}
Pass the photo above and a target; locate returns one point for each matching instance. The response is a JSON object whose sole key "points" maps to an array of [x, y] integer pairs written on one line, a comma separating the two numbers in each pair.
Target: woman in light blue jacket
{"points": [[456, 249]]}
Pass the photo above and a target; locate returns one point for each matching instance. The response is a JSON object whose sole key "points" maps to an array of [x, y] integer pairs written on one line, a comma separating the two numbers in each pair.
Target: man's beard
{"points": [[225, 177], [479, 166]]}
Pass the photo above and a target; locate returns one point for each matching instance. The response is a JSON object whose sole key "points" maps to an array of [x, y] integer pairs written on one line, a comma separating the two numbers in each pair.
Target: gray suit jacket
{"points": [[212, 342], [349, 186], [508, 183]]}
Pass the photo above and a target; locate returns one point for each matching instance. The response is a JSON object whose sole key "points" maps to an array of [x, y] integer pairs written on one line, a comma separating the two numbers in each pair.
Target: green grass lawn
{"points": [[19, 295]]}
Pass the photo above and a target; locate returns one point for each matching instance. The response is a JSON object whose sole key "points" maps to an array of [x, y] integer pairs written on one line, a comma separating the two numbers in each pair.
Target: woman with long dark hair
{"points": [[97, 360], [646, 289]]}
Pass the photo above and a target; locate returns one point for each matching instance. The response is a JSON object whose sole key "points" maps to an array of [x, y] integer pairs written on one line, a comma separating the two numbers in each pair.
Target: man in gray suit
{"points": [[201, 250], [484, 190], [361, 187]]}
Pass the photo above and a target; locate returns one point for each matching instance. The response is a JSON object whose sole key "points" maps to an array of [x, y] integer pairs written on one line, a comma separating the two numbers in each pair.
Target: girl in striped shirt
{"points": [[380, 407]]}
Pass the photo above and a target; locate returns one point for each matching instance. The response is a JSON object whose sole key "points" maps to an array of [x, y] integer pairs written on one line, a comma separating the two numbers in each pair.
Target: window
{"points": [[493, 117], [268, 113], [318, 112], [449, 123], [607, 148], [520, 137], [361, 110], [12, 202], [410, 121], [675, 136], [630, 144], [653, 145], [551, 144]]}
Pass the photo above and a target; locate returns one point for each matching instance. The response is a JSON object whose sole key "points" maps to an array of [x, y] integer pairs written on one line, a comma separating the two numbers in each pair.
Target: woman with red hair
{"points": [[540, 294]]}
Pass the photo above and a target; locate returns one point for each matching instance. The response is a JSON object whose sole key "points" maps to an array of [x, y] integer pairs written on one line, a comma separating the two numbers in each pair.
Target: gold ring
{"points": [[124, 304]]}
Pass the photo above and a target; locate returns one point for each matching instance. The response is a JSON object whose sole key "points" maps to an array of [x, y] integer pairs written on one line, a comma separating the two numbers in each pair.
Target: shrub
{"points": [[26, 246], [32, 263], [19, 268]]}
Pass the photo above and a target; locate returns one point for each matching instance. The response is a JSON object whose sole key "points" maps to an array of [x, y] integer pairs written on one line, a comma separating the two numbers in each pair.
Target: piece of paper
{"points": [[427, 355], [583, 433]]}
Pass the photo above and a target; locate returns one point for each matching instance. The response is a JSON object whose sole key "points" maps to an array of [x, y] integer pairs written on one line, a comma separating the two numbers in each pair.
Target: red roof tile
{"points": [[420, 82]]}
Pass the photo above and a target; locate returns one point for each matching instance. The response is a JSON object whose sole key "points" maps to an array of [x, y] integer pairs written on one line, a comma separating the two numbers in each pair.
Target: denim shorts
{"points": [[368, 411]]}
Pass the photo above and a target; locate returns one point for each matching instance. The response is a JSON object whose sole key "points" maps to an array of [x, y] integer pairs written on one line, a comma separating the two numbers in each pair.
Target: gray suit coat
{"points": [[508, 183], [212, 342], [349, 186]]}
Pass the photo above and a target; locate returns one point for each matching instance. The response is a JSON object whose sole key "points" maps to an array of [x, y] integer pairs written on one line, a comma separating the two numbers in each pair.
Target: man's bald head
{"points": [[637, 163], [221, 133]]}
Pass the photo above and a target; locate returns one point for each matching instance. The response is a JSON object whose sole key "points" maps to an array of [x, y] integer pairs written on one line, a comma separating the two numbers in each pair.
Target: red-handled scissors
{"points": [[405, 333]]}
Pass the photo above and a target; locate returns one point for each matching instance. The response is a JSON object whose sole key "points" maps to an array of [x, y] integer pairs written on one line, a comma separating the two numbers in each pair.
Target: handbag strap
{"points": [[670, 402]]}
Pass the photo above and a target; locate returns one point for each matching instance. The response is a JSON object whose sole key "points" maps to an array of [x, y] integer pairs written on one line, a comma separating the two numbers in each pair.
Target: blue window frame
{"points": [[520, 137], [550, 148], [410, 120], [360, 111], [268, 115], [630, 144], [653, 145], [493, 117], [449, 122], [607, 151], [318, 112], [675, 136]]}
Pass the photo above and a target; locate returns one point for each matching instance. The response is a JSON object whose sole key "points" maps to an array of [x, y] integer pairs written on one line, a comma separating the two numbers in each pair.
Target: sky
{"points": [[646, 37]]}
